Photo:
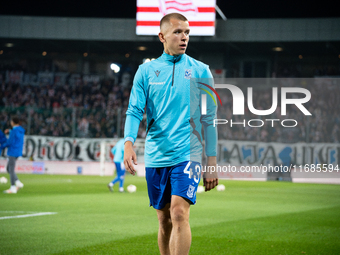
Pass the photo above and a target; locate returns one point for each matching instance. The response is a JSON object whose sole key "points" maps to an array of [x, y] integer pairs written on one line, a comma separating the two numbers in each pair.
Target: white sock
{"points": [[13, 187], [110, 184], [121, 189]]}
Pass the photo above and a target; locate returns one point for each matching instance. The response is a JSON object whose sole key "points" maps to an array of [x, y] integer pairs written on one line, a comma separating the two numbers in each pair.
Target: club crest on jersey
{"points": [[157, 72], [187, 74], [190, 192]]}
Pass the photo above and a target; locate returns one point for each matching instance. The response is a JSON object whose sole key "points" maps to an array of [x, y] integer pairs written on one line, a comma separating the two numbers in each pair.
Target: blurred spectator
{"points": [[83, 128]]}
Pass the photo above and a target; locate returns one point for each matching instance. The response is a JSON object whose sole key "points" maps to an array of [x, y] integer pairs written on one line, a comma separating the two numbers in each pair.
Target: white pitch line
{"points": [[27, 215]]}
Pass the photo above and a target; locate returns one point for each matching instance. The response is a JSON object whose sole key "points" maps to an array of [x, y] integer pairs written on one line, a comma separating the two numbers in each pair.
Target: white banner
{"points": [[257, 153], [229, 152], [307, 162], [48, 148], [200, 14]]}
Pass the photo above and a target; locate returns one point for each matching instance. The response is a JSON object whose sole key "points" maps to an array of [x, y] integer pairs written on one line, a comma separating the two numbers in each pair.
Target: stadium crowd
{"points": [[97, 109], [51, 109]]}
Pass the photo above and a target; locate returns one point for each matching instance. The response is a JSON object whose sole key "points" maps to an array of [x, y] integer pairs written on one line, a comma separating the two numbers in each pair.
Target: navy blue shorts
{"points": [[180, 180]]}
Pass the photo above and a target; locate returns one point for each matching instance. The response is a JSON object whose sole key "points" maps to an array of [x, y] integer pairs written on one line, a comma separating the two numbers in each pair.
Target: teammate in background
{"points": [[3, 139], [118, 159], [162, 86], [15, 144]]}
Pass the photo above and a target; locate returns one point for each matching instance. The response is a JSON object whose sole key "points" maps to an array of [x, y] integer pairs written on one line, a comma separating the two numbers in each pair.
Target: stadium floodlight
{"points": [[145, 60], [277, 49], [114, 67], [142, 48]]}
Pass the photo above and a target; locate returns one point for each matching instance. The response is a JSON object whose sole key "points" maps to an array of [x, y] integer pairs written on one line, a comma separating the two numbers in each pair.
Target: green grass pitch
{"points": [[247, 218]]}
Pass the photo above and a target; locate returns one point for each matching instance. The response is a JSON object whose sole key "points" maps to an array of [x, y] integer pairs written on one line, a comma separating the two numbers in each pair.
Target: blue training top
{"points": [[15, 142], [118, 151], [163, 86]]}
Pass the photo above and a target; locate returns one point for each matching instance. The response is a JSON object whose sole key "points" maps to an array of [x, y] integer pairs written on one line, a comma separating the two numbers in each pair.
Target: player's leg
{"points": [[11, 169], [12, 174], [110, 185], [184, 180], [164, 230], [180, 240], [115, 180], [159, 191], [121, 177], [118, 170]]}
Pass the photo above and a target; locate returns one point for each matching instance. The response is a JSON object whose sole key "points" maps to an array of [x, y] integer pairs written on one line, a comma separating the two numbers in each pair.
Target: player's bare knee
{"points": [[179, 214], [164, 220]]}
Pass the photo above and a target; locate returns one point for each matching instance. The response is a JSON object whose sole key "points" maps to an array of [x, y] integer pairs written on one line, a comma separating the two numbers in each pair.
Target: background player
{"points": [[162, 86], [15, 145], [118, 159], [3, 139]]}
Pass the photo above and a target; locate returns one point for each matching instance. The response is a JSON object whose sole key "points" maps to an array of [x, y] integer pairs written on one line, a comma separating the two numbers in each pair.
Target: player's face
{"points": [[175, 37]]}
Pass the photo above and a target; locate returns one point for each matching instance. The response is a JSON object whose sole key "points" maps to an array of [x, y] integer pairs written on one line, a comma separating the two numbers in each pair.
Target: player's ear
{"points": [[161, 37]]}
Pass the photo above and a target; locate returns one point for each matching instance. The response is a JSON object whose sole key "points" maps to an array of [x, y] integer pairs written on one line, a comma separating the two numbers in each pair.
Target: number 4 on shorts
{"points": [[188, 170]]}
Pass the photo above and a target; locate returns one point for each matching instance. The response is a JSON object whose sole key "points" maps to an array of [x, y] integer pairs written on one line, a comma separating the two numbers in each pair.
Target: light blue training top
{"points": [[172, 100], [118, 151]]}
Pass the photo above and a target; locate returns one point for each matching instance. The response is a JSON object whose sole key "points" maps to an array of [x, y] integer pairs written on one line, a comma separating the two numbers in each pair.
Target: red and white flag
{"points": [[183, 6], [200, 14]]}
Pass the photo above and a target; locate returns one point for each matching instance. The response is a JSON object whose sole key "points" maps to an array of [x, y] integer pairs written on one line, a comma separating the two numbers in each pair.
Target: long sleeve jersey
{"points": [[169, 89], [118, 151]]}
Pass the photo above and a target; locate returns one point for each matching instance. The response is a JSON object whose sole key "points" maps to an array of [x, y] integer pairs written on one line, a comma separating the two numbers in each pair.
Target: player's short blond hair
{"points": [[166, 18]]}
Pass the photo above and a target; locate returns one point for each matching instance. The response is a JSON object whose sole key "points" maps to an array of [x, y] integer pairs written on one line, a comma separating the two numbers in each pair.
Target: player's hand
{"points": [[210, 177], [130, 158], [6, 131]]}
